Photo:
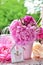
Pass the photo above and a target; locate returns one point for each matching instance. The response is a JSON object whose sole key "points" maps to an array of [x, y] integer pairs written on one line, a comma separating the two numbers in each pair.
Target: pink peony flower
{"points": [[6, 43], [28, 20], [22, 34], [40, 34]]}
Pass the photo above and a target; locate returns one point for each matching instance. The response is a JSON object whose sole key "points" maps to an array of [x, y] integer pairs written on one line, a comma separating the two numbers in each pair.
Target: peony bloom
{"points": [[6, 42], [40, 34], [28, 20], [22, 34]]}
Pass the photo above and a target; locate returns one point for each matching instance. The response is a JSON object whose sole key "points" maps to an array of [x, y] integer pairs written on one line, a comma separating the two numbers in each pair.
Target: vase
{"points": [[27, 51]]}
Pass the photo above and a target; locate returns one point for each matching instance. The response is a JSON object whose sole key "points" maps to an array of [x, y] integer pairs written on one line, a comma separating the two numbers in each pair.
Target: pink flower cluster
{"points": [[6, 43], [23, 34], [40, 34]]}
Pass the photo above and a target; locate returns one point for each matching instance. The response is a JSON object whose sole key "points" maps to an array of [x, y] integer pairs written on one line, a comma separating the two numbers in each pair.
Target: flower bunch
{"points": [[23, 34], [6, 43]]}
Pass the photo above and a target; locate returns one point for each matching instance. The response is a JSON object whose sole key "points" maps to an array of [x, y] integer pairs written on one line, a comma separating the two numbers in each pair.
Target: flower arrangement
{"points": [[23, 30], [22, 33]]}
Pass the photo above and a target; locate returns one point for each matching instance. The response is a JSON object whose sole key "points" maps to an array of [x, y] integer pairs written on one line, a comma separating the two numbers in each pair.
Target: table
{"points": [[26, 62]]}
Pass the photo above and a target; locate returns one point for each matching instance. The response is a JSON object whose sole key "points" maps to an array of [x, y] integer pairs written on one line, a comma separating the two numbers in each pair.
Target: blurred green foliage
{"points": [[10, 10], [13, 9]]}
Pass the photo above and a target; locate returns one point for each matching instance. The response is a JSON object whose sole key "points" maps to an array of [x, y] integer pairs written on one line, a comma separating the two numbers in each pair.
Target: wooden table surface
{"points": [[26, 62]]}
